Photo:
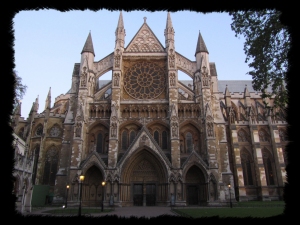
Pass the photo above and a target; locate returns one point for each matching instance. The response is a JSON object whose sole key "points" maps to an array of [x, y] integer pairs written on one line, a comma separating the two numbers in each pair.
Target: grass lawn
{"points": [[241, 209], [74, 211]]}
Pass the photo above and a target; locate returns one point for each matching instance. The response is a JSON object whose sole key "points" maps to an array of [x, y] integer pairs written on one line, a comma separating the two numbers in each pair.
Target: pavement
{"points": [[127, 212]]}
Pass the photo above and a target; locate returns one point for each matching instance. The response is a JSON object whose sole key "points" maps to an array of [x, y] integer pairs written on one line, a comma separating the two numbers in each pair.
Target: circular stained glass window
{"points": [[145, 80]]}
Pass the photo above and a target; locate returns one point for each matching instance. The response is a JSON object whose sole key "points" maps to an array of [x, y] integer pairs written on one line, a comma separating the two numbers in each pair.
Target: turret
{"points": [[201, 53], [87, 54]]}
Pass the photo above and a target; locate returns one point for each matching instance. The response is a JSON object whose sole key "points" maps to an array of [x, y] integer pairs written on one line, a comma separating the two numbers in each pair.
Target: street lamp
{"points": [[81, 179], [66, 205], [103, 184], [229, 187]]}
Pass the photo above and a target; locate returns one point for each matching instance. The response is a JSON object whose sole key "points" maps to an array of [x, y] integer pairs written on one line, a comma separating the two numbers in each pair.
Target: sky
{"points": [[48, 43]]}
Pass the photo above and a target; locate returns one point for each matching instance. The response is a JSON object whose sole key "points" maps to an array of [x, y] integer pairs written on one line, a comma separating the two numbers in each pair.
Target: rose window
{"points": [[145, 80]]}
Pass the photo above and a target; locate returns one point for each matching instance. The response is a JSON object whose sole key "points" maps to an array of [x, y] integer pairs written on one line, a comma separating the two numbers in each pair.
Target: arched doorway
{"points": [[92, 190], [196, 187], [143, 181]]}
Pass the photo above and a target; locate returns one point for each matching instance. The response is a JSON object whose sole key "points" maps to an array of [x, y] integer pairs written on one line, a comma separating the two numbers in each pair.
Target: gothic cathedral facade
{"points": [[153, 139]]}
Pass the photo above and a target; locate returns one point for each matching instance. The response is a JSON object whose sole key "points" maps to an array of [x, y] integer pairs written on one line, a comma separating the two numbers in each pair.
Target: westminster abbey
{"points": [[153, 139]]}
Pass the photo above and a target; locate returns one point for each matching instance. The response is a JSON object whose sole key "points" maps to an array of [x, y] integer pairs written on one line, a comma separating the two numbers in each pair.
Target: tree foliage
{"points": [[266, 47], [20, 89]]}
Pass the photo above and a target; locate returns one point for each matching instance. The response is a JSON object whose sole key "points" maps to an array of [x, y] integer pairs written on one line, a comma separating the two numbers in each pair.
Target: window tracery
{"points": [[247, 167], [51, 164], [145, 80], [39, 130]]}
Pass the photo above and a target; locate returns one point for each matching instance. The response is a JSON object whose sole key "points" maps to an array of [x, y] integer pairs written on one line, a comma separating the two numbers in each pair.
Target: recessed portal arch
{"points": [[144, 180]]}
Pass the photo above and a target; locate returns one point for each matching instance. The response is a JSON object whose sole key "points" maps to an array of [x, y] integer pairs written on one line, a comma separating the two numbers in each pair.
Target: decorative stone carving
{"points": [[117, 59], [113, 129], [83, 77], [172, 79]]}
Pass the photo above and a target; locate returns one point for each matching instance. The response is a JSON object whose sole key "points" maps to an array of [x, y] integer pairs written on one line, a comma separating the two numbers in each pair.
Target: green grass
{"points": [[239, 210], [74, 211]]}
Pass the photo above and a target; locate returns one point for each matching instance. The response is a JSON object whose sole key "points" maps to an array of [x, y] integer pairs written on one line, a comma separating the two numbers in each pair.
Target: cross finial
{"points": [[145, 18]]}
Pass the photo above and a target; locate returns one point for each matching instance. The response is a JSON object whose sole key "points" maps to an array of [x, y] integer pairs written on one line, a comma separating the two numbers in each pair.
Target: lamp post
{"points": [[229, 187], [66, 205], [81, 179], [103, 184]]}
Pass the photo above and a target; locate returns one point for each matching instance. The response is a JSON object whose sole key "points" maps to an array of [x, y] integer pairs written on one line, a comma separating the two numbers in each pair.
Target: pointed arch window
{"points": [[124, 140], [189, 142], [156, 136], [99, 147], [242, 136], [132, 136], [263, 137], [39, 130], [268, 167], [35, 163], [282, 135], [51, 164], [247, 168], [164, 140]]}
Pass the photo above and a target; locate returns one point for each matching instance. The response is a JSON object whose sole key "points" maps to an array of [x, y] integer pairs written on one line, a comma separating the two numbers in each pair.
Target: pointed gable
{"points": [[145, 41]]}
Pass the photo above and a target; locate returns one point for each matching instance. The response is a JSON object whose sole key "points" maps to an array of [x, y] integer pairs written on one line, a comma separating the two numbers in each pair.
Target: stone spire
{"points": [[88, 46], [201, 47], [169, 33], [120, 32], [48, 100]]}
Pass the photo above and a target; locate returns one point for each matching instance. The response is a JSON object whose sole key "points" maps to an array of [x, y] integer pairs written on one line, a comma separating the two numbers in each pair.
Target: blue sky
{"points": [[49, 42]]}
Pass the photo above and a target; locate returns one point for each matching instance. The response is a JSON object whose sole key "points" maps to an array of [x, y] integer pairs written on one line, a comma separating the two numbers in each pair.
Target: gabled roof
{"points": [[145, 41]]}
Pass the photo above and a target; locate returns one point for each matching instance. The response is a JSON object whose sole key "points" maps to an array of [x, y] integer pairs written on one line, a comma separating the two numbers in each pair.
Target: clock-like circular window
{"points": [[55, 131], [145, 80]]}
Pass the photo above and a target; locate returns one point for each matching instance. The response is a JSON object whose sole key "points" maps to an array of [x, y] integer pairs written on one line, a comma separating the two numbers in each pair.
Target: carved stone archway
{"points": [[144, 180]]}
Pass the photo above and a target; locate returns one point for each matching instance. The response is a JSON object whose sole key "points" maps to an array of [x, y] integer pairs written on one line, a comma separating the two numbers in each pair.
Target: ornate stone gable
{"points": [[145, 41], [144, 139]]}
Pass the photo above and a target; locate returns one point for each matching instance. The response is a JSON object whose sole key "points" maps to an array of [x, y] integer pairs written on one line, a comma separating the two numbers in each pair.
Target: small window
{"points": [[156, 136], [132, 136], [124, 140], [99, 148], [39, 131], [164, 140], [189, 142]]}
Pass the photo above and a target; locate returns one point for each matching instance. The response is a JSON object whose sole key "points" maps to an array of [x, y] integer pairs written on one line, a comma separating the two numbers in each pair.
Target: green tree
{"points": [[266, 46], [20, 89]]}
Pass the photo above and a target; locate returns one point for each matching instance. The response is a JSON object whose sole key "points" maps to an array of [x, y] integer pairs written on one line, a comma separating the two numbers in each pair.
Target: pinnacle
{"points": [[88, 46], [201, 47]]}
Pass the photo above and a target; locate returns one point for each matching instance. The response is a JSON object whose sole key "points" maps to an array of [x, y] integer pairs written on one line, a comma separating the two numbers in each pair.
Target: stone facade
{"points": [[154, 139]]}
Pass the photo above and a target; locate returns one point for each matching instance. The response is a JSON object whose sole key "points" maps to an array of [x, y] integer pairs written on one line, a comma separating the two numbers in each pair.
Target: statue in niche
{"points": [[117, 59], [91, 85], [78, 130], [116, 79], [114, 129], [172, 79], [174, 129], [172, 59]]}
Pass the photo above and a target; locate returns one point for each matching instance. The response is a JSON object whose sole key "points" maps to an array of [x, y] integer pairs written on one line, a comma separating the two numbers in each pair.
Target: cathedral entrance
{"points": [[141, 194], [196, 187], [150, 194], [144, 182], [193, 197], [91, 188], [138, 194]]}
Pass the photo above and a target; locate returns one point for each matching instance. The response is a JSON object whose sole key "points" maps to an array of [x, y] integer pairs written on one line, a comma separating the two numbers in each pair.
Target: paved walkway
{"points": [[127, 212]]}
